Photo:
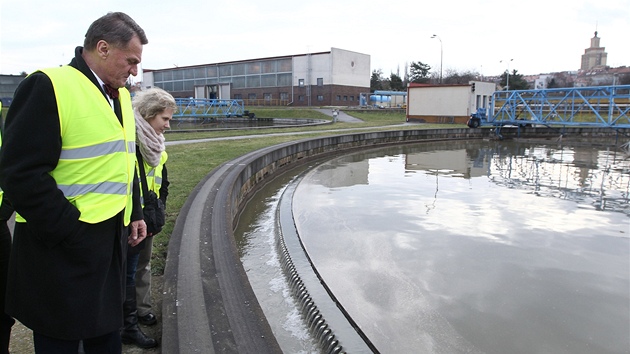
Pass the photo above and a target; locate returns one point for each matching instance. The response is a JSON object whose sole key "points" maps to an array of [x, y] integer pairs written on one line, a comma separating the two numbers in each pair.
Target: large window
{"points": [[225, 70], [200, 73], [253, 81], [238, 82], [167, 86], [268, 66], [284, 80], [285, 65], [238, 69], [268, 80], [212, 71], [253, 68]]}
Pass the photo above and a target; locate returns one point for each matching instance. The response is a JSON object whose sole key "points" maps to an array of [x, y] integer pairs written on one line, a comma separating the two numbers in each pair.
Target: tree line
{"points": [[418, 72]]}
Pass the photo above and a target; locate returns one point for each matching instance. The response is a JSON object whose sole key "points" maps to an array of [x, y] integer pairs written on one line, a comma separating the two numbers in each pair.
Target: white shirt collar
{"points": [[101, 83]]}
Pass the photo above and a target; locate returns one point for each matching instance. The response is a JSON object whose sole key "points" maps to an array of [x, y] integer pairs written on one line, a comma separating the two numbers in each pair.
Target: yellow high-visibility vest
{"points": [[96, 166], [1, 192], [154, 174]]}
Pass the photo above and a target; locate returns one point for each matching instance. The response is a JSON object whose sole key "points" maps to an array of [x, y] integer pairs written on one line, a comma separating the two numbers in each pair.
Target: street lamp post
{"points": [[507, 80], [441, 54]]}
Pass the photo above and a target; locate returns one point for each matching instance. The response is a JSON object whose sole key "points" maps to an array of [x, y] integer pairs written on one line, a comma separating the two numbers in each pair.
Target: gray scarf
{"points": [[151, 143]]}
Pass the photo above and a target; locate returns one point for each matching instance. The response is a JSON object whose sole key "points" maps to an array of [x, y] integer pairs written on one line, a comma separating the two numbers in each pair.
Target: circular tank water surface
{"points": [[463, 247]]}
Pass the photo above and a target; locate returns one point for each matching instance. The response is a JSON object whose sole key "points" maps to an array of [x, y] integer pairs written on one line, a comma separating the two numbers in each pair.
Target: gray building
{"points": [[8, 85], [334, 78]]}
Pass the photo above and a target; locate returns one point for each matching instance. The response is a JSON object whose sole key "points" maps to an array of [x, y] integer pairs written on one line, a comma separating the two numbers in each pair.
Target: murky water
{"points": [[256, 238], [461, 247]]}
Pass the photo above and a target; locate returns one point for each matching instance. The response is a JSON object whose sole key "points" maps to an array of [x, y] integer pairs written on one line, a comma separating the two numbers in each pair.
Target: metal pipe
{"points": [[441, 54]]}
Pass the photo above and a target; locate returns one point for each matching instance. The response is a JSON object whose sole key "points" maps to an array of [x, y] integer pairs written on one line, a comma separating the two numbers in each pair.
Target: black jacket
{"points": [[66, 277]]}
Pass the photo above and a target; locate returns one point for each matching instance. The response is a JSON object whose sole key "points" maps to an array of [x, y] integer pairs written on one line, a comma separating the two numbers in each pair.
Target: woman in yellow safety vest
{"points": [[153, 110]]}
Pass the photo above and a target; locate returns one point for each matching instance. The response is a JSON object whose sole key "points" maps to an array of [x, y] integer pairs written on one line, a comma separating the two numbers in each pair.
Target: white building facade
{"points": [[447, 103]]}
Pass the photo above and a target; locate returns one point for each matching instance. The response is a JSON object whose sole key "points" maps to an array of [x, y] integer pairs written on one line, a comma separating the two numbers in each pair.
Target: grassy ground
{"points": [[189, 163]]}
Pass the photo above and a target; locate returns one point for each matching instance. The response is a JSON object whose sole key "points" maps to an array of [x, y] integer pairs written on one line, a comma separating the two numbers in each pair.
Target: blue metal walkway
{"points": [[599, 106], [210, 108]]}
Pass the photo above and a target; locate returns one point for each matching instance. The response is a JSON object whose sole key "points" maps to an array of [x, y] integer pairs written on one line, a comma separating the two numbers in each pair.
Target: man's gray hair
{"points": [[116, 28]]}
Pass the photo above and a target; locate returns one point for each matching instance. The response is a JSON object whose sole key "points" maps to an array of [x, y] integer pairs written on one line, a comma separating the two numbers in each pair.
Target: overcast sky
{"points": [[541, 36]]}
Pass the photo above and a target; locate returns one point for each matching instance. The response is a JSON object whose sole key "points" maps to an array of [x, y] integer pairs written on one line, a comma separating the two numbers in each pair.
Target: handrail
{"points": [[208, 108]]}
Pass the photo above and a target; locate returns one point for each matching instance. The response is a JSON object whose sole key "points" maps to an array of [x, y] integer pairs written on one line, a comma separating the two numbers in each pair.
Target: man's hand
{"points": [[138, 232]]}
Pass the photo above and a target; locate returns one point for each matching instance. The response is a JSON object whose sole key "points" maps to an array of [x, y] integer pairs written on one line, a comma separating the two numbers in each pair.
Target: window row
{"points": [[345, 98], [223, 70], [321, 98], [284, 96], [273, 80]]}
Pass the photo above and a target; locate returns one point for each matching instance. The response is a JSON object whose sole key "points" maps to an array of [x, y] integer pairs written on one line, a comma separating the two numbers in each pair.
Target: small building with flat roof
{"points": [[447, 103]]}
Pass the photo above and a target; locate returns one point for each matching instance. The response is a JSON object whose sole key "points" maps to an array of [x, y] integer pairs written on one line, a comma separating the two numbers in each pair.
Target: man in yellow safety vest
{"points": [[68, 167]]}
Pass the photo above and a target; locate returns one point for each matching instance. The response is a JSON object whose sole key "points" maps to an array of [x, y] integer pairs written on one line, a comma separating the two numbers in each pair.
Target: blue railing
{"points": [[209, 108], [599, 106]]}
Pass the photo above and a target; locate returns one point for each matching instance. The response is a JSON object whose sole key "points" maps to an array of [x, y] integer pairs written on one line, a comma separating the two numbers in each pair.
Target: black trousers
{"points": [[6, 321], [107, 344]]}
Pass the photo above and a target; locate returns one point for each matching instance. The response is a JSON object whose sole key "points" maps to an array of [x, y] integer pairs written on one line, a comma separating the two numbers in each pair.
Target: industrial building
{"points": [[333, 78], [8, 85], [447, 103]]}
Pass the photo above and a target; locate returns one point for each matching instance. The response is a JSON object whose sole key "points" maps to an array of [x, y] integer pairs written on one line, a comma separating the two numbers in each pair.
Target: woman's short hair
{"points": [[152, 102]]}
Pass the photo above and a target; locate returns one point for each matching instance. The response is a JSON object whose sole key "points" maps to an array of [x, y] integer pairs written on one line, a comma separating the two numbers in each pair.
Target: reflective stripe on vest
{"points": [[97, 160]]}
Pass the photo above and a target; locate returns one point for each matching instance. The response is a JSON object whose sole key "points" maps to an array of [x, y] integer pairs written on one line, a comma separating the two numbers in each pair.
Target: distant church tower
{"points": [[594, 56]]}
